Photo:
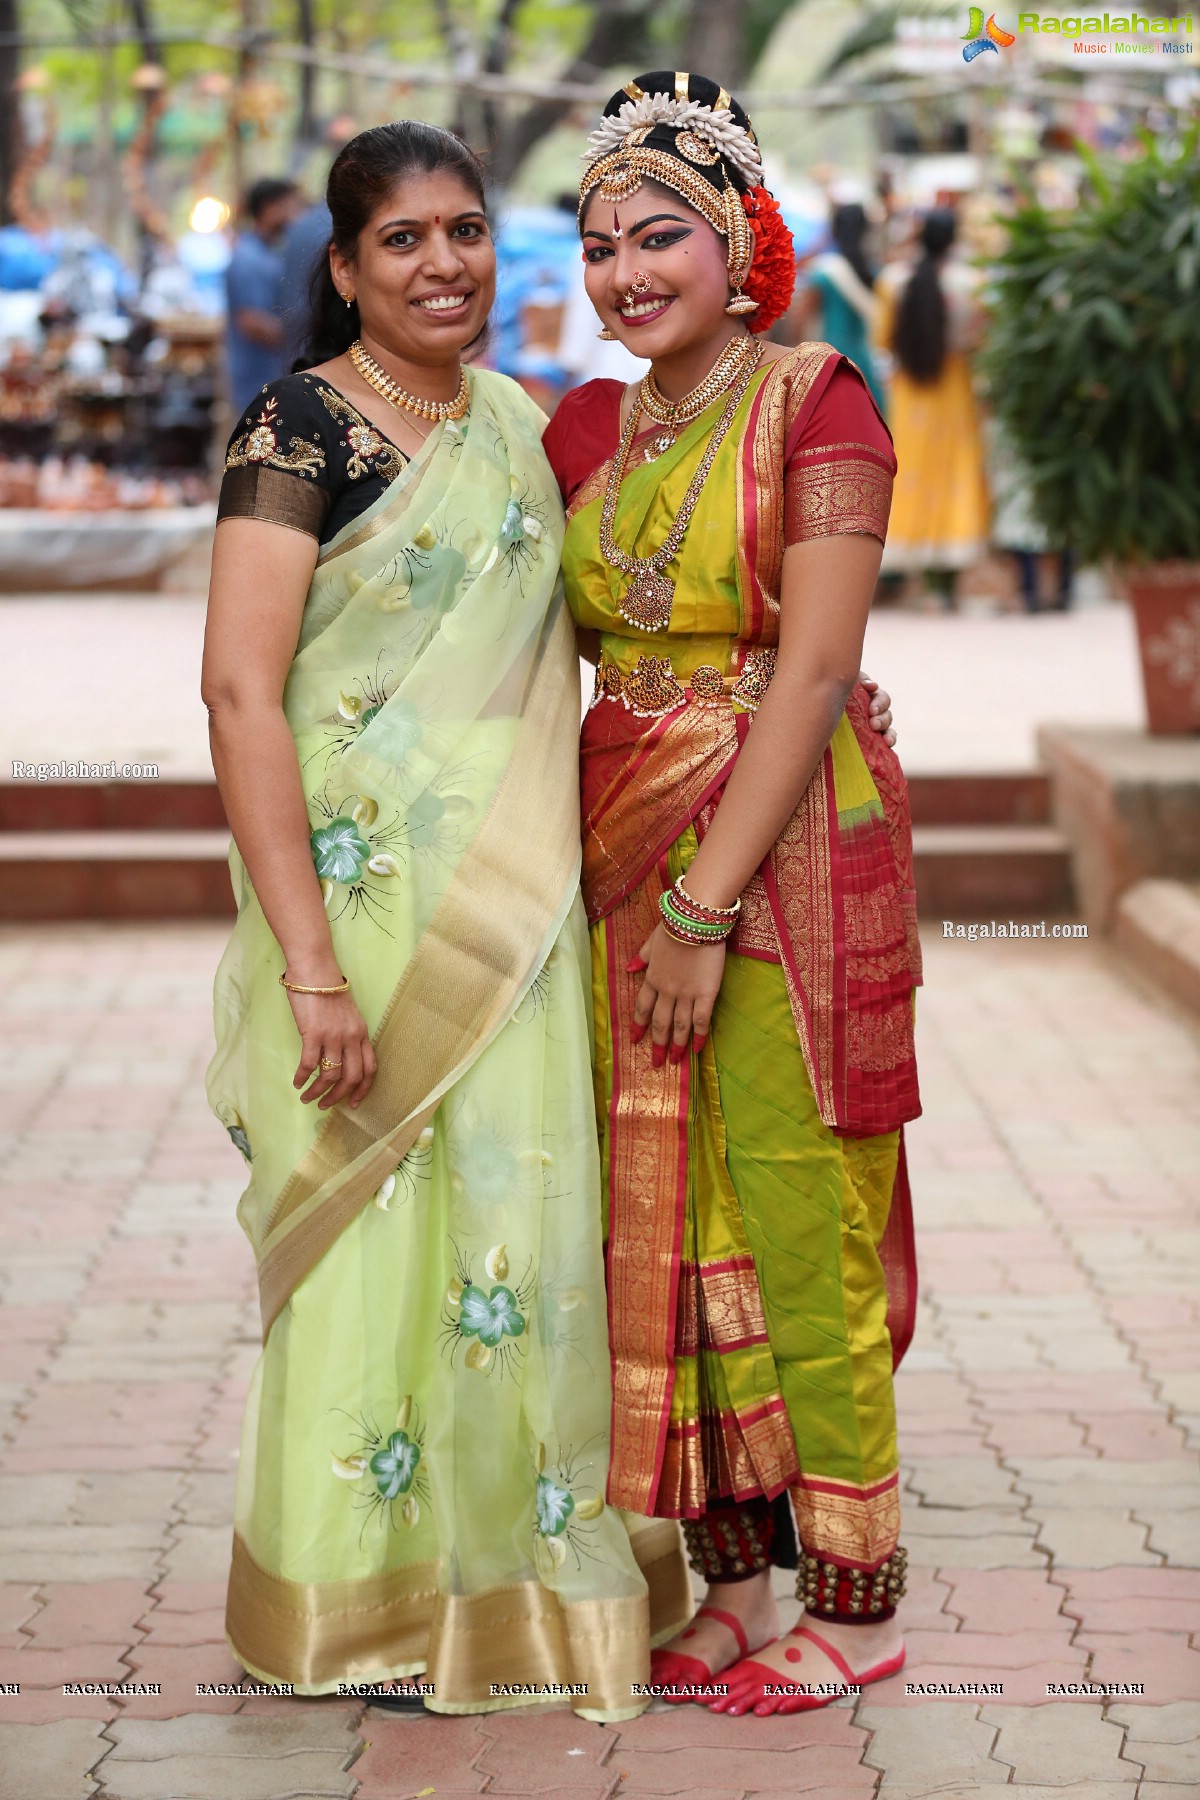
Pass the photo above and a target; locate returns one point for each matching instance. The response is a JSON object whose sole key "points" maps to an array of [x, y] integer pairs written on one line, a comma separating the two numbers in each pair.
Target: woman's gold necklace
{"points": [[646, 602], [383, 383], [674, 414]]}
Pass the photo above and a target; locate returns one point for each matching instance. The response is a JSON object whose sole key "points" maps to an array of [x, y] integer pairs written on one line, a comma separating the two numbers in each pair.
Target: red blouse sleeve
{"points": [[839, 476], [583, 433]]}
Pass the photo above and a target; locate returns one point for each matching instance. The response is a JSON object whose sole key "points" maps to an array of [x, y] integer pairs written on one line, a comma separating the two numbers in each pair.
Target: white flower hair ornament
{"points": [[720, 129]]}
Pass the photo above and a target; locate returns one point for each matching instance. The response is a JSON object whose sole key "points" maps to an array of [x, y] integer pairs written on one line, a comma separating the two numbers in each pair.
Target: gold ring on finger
{"points": [[327, 1062]]}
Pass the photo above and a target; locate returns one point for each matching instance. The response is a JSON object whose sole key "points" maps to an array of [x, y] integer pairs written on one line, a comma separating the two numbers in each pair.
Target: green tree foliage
{"points": [[1093, 359]]}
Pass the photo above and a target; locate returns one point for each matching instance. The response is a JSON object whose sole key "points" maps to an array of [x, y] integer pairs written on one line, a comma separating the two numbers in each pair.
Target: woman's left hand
{"points": [[880, 710], [676, 999]]}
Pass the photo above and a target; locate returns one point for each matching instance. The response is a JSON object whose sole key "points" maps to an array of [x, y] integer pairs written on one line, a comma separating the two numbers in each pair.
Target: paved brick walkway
{"points": [[1050, 1415]]}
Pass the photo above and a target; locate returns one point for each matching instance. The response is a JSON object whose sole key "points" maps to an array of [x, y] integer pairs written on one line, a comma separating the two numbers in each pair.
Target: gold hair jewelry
{"points": [[327, 1062], [673, 415], [296, 987], [383, 383], [646, 602]]}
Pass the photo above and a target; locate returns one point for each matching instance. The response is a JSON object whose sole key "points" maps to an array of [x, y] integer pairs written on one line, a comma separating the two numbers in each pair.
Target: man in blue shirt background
{"points": [[255, 335]]}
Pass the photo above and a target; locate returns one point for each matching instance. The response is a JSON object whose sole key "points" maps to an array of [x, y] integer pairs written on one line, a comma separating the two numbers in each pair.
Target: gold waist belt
{"points": [[652, 688]]}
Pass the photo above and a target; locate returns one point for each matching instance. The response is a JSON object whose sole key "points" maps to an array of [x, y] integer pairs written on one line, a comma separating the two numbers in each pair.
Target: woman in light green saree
{"points": [[391, 678]]}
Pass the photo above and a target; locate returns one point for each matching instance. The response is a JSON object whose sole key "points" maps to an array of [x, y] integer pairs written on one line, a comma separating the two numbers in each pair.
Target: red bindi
{"points": [[437, 218]]}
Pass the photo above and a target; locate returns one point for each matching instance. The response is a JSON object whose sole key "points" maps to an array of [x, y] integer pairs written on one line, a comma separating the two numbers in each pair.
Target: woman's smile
{"points": [[447, 304], [645, 309]]}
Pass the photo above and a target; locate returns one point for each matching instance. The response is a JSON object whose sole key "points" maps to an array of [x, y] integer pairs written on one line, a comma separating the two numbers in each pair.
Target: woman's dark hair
{"points": [[919, 334], [363, 175], [848, 228]]}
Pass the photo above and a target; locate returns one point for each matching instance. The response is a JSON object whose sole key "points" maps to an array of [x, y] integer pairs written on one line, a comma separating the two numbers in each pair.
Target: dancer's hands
{"points": [[678, 993], [334, 1031], [879, 712]]}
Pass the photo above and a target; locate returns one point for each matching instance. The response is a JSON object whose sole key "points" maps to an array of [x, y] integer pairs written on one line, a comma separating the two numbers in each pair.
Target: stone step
{"points": [[58, 875], [110, 806], [973, 872], [1017, 797], [988, 871], [1003, 797]]}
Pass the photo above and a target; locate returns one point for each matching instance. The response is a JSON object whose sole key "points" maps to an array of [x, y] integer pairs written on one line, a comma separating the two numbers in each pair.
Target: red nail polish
{"points": [[660, 1056], [636, 1033], [678, 1052], [699, 1044], [636, 966]]}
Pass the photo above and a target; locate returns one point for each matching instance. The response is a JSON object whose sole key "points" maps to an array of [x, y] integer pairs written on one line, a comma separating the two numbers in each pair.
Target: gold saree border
{"points": [[648, 1150], [845, 1522], [314, 1634], [462, 983]]}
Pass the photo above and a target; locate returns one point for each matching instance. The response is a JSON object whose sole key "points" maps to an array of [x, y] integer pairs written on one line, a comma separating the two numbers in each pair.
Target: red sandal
{"points": [[749, 1682], [672, 1670]]}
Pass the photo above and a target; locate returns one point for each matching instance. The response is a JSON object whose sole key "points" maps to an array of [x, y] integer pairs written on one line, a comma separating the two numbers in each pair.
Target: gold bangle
{"points": [[295, 987]]}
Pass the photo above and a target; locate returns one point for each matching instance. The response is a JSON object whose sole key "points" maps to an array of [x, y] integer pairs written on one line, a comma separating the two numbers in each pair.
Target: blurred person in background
{"points": [[837, 303], [928, 323], [255, 335]]}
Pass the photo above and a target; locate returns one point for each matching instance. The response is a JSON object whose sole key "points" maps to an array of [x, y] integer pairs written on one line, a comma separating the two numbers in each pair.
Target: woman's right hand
{"points": [[331, 1027]]}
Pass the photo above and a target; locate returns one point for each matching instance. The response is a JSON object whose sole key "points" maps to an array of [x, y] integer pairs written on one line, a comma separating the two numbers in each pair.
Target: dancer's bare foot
{"points": [[815, 1654], [707, 1646]]}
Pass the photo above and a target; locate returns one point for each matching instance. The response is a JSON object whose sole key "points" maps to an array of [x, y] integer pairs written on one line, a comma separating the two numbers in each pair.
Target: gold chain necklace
{"points": [[674, 414], [646, 602], [384, 384]]}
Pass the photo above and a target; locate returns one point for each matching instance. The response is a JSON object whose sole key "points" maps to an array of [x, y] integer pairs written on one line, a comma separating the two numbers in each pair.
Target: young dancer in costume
{"points": [[748, 876], [402, 1012]]}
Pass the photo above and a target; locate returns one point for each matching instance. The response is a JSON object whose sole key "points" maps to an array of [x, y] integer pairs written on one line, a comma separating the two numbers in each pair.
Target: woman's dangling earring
{"points": [[740, 304], [349, 299], [606, 336]]}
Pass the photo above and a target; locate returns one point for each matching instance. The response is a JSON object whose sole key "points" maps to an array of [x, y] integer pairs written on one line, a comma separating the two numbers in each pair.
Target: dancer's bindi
{"points": [[617, 232]]}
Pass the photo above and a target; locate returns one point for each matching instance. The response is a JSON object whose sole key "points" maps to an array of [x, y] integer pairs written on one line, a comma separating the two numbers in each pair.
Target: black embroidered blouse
{"points": [[302, 456]]}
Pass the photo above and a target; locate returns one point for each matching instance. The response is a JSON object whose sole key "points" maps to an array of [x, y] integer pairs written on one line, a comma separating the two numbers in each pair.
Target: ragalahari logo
{"points": [[984, 37]]}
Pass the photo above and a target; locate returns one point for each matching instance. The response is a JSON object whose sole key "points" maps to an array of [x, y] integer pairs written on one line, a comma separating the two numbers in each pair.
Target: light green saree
{"points": [[425, 1448]]}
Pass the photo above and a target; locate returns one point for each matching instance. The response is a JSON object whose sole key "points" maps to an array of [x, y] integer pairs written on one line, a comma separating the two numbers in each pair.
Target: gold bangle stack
{"points": [[296, 987], [377, 377]]}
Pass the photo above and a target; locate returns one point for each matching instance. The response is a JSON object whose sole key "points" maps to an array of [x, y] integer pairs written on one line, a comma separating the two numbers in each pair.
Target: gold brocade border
{"points": [[838, 1519], [801, 864], [309, 1632], [647, 1148], [652, 805], [314, 1634], [462, 982], [785, 393]]}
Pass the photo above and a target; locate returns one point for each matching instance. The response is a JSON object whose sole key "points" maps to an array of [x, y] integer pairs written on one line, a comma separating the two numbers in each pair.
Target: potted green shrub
{"points": [[1093, 370]]}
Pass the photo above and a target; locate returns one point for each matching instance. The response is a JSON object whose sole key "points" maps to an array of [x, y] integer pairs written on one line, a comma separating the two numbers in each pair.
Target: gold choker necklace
{"points": [[384, 384], [672, 415]]}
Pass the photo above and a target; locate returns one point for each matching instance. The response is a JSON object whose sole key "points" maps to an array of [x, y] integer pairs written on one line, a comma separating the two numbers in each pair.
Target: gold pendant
{"points": [[646, 602], [658, 445]]}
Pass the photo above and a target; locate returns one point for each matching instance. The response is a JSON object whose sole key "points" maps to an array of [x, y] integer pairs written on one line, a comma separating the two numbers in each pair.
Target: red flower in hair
{"points": [[772, 277]]}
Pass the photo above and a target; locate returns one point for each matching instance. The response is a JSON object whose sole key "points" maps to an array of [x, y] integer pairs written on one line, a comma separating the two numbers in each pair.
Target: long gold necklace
{"points": [[672, 415], [384, 384], [646, 602]]}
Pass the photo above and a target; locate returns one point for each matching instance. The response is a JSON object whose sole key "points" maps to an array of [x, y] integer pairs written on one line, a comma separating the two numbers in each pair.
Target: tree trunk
{"points": [[139, 11], [306, 32], [714, 42], [618, 39], [10, 104]]}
